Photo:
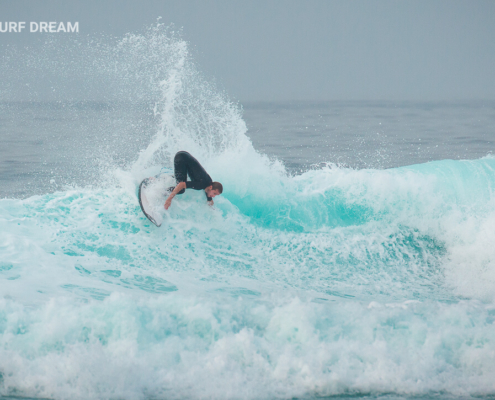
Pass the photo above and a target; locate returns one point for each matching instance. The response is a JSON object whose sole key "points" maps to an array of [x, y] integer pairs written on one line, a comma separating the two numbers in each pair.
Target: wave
{"points": [[375, 226]]}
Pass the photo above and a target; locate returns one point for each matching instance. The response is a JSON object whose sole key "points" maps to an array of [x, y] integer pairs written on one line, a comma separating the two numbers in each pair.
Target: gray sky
{"points": [[307, 50]]}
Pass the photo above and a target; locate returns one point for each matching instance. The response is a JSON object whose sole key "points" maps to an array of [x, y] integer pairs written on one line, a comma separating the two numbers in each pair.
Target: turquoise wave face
{"points": [[340, 197]]}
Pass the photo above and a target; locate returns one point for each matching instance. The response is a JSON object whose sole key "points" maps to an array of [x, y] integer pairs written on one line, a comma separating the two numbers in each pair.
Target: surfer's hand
{"points": [[210, 203], [178, 188]]}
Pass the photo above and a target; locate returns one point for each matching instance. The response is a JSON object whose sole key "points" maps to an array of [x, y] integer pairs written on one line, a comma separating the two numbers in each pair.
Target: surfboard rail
{"points": [[142, 199]]}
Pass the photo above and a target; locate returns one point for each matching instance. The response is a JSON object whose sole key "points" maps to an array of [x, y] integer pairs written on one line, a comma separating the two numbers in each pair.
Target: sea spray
{"points": [[163, 104]]}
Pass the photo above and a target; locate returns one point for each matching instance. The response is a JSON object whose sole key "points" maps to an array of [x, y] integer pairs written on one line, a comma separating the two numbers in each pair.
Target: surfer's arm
{"points": [[178, 188]]}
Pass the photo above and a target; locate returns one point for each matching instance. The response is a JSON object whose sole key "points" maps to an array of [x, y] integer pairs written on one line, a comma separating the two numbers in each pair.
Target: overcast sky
{"points": [[307, 50]]}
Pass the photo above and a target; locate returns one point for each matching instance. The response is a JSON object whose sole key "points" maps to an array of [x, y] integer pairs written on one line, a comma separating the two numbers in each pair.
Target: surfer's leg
{"points": [[194, 169], [181, 167]]}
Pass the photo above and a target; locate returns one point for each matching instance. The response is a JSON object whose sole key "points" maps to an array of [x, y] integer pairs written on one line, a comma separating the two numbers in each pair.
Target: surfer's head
{"points": [[214, 189]]}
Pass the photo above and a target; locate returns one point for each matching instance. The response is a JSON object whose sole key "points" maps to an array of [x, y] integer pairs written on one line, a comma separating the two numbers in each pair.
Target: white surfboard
{"points": [[152, 195]]}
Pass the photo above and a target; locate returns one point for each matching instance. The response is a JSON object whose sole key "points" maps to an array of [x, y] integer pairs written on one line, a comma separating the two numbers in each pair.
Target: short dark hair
{"points": [[217, 186]]}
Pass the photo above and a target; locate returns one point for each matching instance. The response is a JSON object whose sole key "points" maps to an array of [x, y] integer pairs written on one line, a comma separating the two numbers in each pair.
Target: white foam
{"points": [[178, 347]]}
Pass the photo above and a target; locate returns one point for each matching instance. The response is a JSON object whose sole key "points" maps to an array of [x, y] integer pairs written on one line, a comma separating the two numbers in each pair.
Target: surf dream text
{"points": [[39, 27]]}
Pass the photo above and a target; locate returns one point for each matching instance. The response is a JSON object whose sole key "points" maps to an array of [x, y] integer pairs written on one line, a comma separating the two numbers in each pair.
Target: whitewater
{"points": [[332, 281]]}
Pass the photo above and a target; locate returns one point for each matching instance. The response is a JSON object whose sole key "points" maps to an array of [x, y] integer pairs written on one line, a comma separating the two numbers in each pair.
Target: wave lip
{"points": [[332, 197]]}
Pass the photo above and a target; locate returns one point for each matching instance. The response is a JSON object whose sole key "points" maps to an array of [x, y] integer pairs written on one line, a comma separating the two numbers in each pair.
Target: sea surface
{"points": [[351, 254]]}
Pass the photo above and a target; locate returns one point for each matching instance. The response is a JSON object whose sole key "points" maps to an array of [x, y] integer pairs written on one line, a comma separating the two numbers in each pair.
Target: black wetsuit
{"points": [[185, 164]]}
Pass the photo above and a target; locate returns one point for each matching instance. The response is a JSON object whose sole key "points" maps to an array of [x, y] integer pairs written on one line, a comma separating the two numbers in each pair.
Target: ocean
{"points": [[350, 256]]}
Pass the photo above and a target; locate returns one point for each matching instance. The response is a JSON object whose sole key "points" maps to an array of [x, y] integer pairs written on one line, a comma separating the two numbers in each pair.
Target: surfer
{"points": [[185, 164]]}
